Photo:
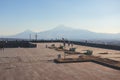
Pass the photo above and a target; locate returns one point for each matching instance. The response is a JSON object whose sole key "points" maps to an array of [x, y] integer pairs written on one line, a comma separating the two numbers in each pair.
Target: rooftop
{"points": [[37, 64]]}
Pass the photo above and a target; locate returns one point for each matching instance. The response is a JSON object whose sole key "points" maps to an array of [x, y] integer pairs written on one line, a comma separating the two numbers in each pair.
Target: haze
{"points": [[39, 15]]}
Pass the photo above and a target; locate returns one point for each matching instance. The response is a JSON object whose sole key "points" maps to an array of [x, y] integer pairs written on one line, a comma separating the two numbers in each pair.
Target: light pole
{"points": [[36, 37], [30, 37]]}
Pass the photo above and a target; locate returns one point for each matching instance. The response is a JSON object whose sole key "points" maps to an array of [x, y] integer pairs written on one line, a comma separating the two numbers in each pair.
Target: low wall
{"points": [[16, 44], [114, 47]]}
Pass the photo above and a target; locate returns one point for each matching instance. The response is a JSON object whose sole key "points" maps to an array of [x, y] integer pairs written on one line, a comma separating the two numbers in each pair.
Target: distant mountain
{"points": [[64, 32], [23, 35], [68, 33]]}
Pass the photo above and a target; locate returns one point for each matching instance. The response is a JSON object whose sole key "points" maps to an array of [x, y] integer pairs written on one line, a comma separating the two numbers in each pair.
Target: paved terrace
{"points": [[37, 64]]}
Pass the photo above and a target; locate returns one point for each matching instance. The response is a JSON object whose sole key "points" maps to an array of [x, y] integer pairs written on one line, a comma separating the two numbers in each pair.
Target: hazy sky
{"points": [[38, 15]]}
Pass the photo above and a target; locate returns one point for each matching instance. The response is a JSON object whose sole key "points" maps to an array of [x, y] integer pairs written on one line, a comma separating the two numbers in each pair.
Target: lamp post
{"points": [[36, 37], [30, 37]]}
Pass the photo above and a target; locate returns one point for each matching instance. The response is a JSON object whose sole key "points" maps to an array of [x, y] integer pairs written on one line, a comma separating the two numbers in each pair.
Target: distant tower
{"points": [[36, 37], [30, 37]]}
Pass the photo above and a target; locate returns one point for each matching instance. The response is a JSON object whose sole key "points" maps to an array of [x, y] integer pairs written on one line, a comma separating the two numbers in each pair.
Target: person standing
{"points": [[68, 43]]}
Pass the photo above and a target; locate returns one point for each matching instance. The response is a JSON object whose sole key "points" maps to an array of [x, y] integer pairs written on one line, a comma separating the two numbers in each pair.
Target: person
{"points": [[72, 44], [59, 56], [68, 43], [2, 45], [46, 46], [64, 43]]}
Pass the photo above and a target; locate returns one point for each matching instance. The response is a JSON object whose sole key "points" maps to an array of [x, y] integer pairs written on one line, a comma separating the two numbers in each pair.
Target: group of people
{"points": [[69, 43]]}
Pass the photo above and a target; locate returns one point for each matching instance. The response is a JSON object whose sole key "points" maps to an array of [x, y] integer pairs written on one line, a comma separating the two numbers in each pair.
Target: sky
{"points": [[38, 15]]}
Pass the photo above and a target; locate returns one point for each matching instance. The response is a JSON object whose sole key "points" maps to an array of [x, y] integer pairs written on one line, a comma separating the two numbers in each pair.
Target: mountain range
{"points": [[66, 32]]}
